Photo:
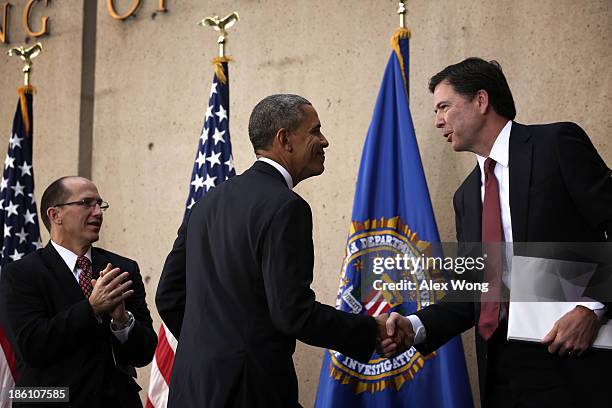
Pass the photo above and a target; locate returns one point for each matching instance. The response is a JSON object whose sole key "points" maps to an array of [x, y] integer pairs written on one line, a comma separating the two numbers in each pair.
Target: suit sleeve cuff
{"points": [[598, 308], [418, 328], [122, 334]]}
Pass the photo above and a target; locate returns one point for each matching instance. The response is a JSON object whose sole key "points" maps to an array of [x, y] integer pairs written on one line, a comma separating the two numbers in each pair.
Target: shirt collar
{"points": [[69, 257], [280, 168], [500, 150]]}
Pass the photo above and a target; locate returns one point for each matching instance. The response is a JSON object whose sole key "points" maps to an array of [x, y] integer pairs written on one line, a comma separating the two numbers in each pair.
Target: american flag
{"points": [[213, 165], [376, 304], [17, 213]]}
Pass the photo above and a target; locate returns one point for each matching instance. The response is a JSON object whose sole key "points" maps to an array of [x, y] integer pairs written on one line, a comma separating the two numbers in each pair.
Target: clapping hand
{"points": [[109, 291]]}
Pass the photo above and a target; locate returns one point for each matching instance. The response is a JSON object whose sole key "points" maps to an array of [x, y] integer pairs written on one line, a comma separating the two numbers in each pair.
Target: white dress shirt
{"points": [[500, 152], [280, 168], [70, 259]]}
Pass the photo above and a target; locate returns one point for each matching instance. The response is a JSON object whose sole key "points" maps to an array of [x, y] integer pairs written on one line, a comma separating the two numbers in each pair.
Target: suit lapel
{"points": [[58, 268], [520, 178], [98, 262], [473, 207]]}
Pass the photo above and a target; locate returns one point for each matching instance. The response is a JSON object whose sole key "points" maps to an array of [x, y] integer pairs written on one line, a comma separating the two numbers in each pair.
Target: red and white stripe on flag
{"points": [[7, 370], [161, 368], [375, 304]]}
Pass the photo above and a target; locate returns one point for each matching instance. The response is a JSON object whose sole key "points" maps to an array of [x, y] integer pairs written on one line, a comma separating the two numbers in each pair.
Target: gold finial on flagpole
{"points": [[402, 13], [221, 25], [27, 55]]}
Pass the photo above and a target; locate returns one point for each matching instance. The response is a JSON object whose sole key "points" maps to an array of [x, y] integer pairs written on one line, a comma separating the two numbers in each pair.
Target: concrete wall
{"points": [[57, 78], [152, 79]]}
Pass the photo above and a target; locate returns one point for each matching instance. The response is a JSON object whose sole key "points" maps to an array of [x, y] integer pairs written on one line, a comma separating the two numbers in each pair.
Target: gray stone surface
{"points": [[153, 77]]}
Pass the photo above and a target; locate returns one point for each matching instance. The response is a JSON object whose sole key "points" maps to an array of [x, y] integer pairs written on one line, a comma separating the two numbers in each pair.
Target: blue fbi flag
{"points": [[392, 215]]}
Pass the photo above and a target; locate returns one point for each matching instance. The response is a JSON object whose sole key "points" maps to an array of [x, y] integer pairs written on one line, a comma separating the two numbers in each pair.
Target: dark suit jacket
{"points": [[235, 291], [56, 337], [560, 191]]}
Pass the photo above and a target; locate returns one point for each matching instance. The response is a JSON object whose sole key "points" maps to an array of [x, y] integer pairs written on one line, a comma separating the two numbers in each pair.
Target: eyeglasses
{"points": [[87, 202]]}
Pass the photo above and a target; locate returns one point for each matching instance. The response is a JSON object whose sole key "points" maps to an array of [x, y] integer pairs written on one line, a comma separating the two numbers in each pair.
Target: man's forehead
{"points": [[445, 92], [80, 185], [444, 88], [309, 110], [311, 118]]}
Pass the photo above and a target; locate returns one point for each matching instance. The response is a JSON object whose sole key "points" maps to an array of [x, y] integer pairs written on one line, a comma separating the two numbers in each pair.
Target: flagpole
{"points": [[402, 13], [213, 165], [19, 218], [27, 55], [402, 33], [221, 25]]}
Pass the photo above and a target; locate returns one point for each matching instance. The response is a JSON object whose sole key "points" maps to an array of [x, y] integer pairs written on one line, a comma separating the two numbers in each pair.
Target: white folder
{"points": [[530, 280]]}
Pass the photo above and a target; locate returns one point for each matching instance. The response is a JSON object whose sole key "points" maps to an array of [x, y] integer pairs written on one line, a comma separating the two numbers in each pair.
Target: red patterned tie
{"points": [[491, 239], [86, 275]]}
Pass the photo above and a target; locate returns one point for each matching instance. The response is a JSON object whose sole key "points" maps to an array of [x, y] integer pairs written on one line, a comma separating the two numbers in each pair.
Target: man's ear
{"points": [[54, 215], [283, 140], [482, 99]]}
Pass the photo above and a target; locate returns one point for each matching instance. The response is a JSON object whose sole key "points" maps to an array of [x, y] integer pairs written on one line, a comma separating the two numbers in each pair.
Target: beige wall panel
{"points": [[57, 78], [153, 77]]}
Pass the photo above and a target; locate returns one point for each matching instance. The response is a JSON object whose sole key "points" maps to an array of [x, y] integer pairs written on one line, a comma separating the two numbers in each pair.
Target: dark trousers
{"points": [[525, 375]]}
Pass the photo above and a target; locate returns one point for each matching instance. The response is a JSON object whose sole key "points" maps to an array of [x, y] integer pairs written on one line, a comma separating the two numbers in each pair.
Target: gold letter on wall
{"points": [[161, 5], [117, 16], [4, 29], [26, 20]]}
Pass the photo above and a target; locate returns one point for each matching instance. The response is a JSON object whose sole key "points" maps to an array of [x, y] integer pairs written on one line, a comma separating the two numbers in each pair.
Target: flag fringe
{"points": [[218, 63], [396, 382], [400, 34], [22, 91], [395, 223]]}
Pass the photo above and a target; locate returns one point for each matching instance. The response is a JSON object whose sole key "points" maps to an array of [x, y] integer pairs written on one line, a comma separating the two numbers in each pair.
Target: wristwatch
{"points": [[116, 326]]}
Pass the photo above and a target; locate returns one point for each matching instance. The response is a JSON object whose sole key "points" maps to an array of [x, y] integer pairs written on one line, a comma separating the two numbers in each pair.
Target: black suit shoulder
{"points": [[113, 257], [29, 265], [544, 130]]}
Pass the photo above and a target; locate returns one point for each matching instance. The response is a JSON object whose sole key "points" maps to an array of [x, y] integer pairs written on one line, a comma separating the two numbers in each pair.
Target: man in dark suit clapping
{"points": [[76, 314]]}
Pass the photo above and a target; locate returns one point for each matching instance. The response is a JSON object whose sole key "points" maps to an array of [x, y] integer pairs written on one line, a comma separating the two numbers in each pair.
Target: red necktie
{"points": [[491, 239], [86, 275]]}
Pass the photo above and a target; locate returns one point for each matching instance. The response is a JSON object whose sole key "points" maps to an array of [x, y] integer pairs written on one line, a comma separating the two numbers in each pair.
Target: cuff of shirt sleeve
{"points": [[418, 328], [598, 308], [122, 335]]}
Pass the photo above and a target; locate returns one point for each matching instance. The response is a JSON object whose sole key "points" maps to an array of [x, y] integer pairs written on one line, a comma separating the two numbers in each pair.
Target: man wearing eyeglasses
{"points": [[77, 314]]}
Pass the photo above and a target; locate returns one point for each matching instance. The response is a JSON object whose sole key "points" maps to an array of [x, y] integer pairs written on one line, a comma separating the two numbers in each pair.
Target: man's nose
{"points": [[97, 210], [439, 120], [324, 141]]}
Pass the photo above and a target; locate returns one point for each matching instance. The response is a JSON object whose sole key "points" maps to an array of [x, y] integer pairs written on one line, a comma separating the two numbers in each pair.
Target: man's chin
{"points": [[93, 238], [457, 147]]}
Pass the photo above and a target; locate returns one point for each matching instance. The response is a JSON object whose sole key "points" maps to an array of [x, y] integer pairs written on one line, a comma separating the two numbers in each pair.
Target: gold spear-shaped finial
{"points": [[27, 55], [221, 25], [402, 13]]}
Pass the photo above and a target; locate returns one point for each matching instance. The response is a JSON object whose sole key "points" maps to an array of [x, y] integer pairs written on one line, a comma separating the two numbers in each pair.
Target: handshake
{"points": [[395, 334]]}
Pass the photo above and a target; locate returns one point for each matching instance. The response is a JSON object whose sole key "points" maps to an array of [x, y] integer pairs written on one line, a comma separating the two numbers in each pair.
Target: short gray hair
{"points": [[273, 113]]}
